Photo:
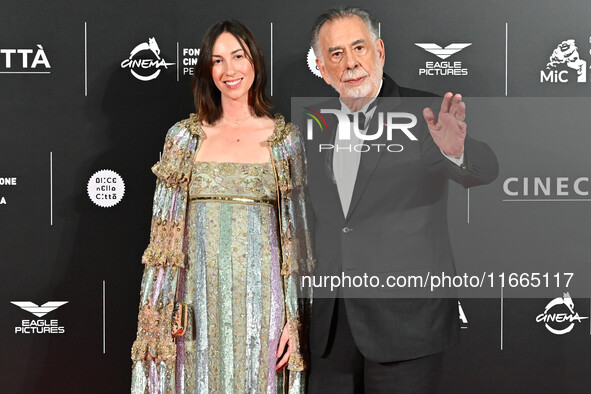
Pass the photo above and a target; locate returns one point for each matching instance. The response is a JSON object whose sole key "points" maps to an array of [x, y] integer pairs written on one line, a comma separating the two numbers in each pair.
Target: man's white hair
{"points": [[340, 13]]}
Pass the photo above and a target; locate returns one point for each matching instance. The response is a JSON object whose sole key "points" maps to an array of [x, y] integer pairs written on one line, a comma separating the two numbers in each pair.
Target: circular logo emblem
{"points": [[312, 63], [559, 316], [144, 61], [105, 188]]}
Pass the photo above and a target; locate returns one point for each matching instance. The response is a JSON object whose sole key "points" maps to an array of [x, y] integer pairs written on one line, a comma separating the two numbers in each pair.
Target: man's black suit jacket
{"points": [[397, 223]]}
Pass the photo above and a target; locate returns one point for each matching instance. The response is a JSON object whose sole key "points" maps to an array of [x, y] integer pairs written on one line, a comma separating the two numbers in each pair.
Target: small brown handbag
{"points": [[179, 312], [179, 319]]}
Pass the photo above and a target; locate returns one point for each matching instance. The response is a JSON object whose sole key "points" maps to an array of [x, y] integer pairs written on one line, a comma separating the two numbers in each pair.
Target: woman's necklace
{"points": [[239, 123]]}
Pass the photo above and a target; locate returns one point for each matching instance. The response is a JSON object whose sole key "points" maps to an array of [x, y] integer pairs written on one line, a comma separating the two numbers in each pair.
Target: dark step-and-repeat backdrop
{"points": [[82, 120]]}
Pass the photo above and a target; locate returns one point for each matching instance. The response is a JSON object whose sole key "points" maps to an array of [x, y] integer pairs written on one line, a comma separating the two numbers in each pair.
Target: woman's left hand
{"points": [[282, 343]]}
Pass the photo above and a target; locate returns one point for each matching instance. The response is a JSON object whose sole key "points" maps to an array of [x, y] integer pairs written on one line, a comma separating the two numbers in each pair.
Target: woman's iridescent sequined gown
{"points": [[215, 228], [232, 281]]}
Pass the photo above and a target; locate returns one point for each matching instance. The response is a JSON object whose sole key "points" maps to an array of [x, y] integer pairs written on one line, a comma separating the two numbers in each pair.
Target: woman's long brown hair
{"points": [[208, 100]]}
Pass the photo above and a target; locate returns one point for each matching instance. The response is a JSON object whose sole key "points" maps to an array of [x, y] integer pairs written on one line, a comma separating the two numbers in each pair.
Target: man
{"points": [[382, 211]]}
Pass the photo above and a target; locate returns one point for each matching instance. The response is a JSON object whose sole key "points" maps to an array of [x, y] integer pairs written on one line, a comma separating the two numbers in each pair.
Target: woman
{"points": [[229, 237]]}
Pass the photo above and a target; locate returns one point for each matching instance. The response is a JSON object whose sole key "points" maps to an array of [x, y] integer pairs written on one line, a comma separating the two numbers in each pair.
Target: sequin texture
{"points": [[233, 278], [264, 253]]}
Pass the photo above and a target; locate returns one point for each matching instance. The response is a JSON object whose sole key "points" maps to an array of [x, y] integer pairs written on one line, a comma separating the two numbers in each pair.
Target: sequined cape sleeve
{"points": [[297, 258], [163, 258]]}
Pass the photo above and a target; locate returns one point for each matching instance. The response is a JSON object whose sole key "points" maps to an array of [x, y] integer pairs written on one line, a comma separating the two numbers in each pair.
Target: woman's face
{"points": [[232, 72]]}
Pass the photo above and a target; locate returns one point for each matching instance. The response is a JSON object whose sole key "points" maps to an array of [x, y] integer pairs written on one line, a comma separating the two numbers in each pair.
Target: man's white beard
{"points": [[364, 89]]}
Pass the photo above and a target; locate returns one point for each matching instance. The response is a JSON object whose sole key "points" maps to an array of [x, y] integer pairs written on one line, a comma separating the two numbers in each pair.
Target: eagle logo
{"points": [[37, 310], [442, 53]]}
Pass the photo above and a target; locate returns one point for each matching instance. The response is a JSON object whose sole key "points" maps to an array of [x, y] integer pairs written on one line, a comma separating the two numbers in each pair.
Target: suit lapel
{"points": [[324, 160], [389, 98]]}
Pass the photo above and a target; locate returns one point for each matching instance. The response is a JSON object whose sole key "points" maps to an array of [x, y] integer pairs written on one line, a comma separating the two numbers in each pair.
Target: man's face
{"points": [[350, 61]]}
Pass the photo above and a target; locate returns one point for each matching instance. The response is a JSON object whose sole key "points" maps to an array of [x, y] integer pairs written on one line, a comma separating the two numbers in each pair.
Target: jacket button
{"points": [[347, 230]]}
